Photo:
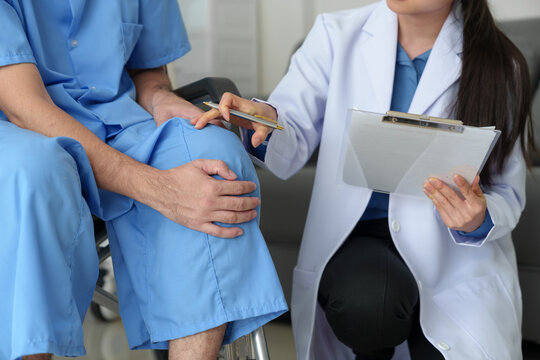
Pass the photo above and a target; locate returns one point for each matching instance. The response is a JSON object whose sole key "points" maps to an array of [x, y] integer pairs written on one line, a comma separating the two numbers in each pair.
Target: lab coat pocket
{"points": [[482, 307], [130, 35]]}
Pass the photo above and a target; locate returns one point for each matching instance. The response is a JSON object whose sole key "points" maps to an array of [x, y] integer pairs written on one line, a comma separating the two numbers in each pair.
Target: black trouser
{"points": [[370, 296]]}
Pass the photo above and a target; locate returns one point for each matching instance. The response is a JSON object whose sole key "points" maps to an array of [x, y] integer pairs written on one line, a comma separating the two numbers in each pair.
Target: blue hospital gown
{"points": [[172, 281]]}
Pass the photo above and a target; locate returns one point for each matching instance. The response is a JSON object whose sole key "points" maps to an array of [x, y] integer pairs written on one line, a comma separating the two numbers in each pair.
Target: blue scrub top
{"points": [[82, 49]]}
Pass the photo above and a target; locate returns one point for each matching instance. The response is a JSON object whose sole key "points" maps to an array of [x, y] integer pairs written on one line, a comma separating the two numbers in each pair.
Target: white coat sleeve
{"points": [[300, 100], [505, 200]]}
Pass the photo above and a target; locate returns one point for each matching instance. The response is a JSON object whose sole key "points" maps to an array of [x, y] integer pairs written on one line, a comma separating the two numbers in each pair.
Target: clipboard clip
{"points": [[423, 121]]}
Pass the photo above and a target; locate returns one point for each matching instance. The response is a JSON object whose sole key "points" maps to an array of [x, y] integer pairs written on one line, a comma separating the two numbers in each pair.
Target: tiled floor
{"points": [[107, 341]]}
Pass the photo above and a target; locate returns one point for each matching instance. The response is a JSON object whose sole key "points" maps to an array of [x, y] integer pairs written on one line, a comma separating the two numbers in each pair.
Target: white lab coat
{"points": [[469, 292]]}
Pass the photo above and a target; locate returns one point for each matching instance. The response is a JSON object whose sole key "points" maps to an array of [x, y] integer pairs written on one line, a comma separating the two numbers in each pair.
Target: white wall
{"points": [[515, 9], [284, 22], [502, 9], [281, 26]]}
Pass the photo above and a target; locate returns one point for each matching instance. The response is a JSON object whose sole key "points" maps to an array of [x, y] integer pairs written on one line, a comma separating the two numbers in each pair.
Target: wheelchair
{"points": [[104, 303]]}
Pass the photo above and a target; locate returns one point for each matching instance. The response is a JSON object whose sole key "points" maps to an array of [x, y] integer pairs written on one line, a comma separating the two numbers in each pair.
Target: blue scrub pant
{"points": [[48, 261], [172, 281]]}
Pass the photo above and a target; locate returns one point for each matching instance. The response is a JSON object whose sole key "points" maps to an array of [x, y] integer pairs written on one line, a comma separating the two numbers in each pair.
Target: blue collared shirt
{"points": [[406, 78], [82, 49]]}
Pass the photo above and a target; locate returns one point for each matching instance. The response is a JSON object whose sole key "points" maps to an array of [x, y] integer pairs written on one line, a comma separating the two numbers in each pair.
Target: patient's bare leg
{"points": [[38, 357], [201, 346]]}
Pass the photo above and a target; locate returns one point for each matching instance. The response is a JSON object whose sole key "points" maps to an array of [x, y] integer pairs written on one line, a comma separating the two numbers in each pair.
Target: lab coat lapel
{"points": [[443, 67], [379, 53]]}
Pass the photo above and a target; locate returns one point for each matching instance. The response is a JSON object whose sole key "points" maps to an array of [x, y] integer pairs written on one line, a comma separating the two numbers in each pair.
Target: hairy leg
{"points": [[38, 357], [201, 346]]}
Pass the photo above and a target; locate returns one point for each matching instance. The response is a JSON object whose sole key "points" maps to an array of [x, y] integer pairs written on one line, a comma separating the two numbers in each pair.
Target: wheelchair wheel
{"points": [[102, 314], [161, 354], [105, 281]]}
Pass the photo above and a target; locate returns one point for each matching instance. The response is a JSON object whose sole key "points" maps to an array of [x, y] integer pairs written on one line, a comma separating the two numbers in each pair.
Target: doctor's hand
{"points": [[461, 213], [190, 196], [232, 102]]}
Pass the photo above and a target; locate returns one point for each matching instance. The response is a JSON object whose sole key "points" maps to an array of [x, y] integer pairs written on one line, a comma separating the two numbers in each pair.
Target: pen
{"points": [[255, 118]]}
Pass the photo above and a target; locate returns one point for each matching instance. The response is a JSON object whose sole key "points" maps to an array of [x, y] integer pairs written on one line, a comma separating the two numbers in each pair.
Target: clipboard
{"points": [[397, 152]]}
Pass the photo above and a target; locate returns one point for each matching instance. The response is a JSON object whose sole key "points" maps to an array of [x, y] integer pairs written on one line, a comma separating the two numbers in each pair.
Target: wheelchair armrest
{"points": [[207, 89]]}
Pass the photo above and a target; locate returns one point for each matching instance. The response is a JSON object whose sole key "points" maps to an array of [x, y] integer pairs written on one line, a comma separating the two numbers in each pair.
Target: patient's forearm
{"points": [[187, 194], [26, 103], [148, 83], [155, 95]]}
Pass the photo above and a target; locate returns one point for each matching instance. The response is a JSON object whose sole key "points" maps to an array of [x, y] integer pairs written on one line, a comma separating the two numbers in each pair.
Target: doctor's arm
{"points": [[298, 104], [188, 194], [465, 213], [499, 205]]}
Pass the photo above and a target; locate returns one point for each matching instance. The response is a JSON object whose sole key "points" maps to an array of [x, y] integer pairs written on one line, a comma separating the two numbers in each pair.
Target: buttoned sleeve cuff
{"points": [[260, 151], [257, 154], [476, 237]]}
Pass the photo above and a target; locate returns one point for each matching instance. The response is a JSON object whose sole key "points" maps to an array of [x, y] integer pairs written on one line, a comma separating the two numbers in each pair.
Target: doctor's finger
{"points": [[230, 101], [260, 135], [438, 198], [465, 188], [240, 122], [447, 191], [446, 218], [438, 204], [449, 215], [476, 187]]}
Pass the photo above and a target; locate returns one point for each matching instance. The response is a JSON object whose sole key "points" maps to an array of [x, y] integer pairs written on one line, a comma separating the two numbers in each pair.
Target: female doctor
{"points": [[375, 270]]}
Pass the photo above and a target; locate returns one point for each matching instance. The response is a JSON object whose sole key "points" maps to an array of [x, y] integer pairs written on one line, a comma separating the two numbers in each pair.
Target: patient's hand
{"points": [[189, 195], [230, 101], [166, 105], [464, 213]]}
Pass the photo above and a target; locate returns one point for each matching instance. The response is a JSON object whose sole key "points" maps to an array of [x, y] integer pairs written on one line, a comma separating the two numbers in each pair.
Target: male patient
{"points": [[88, 124]]}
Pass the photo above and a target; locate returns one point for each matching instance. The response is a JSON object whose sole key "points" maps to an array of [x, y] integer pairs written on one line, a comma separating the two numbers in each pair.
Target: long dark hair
{"points": [[495, 87]]}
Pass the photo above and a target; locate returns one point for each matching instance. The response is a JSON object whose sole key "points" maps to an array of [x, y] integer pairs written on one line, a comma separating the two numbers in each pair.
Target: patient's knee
{"points": [[216, 143]]}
